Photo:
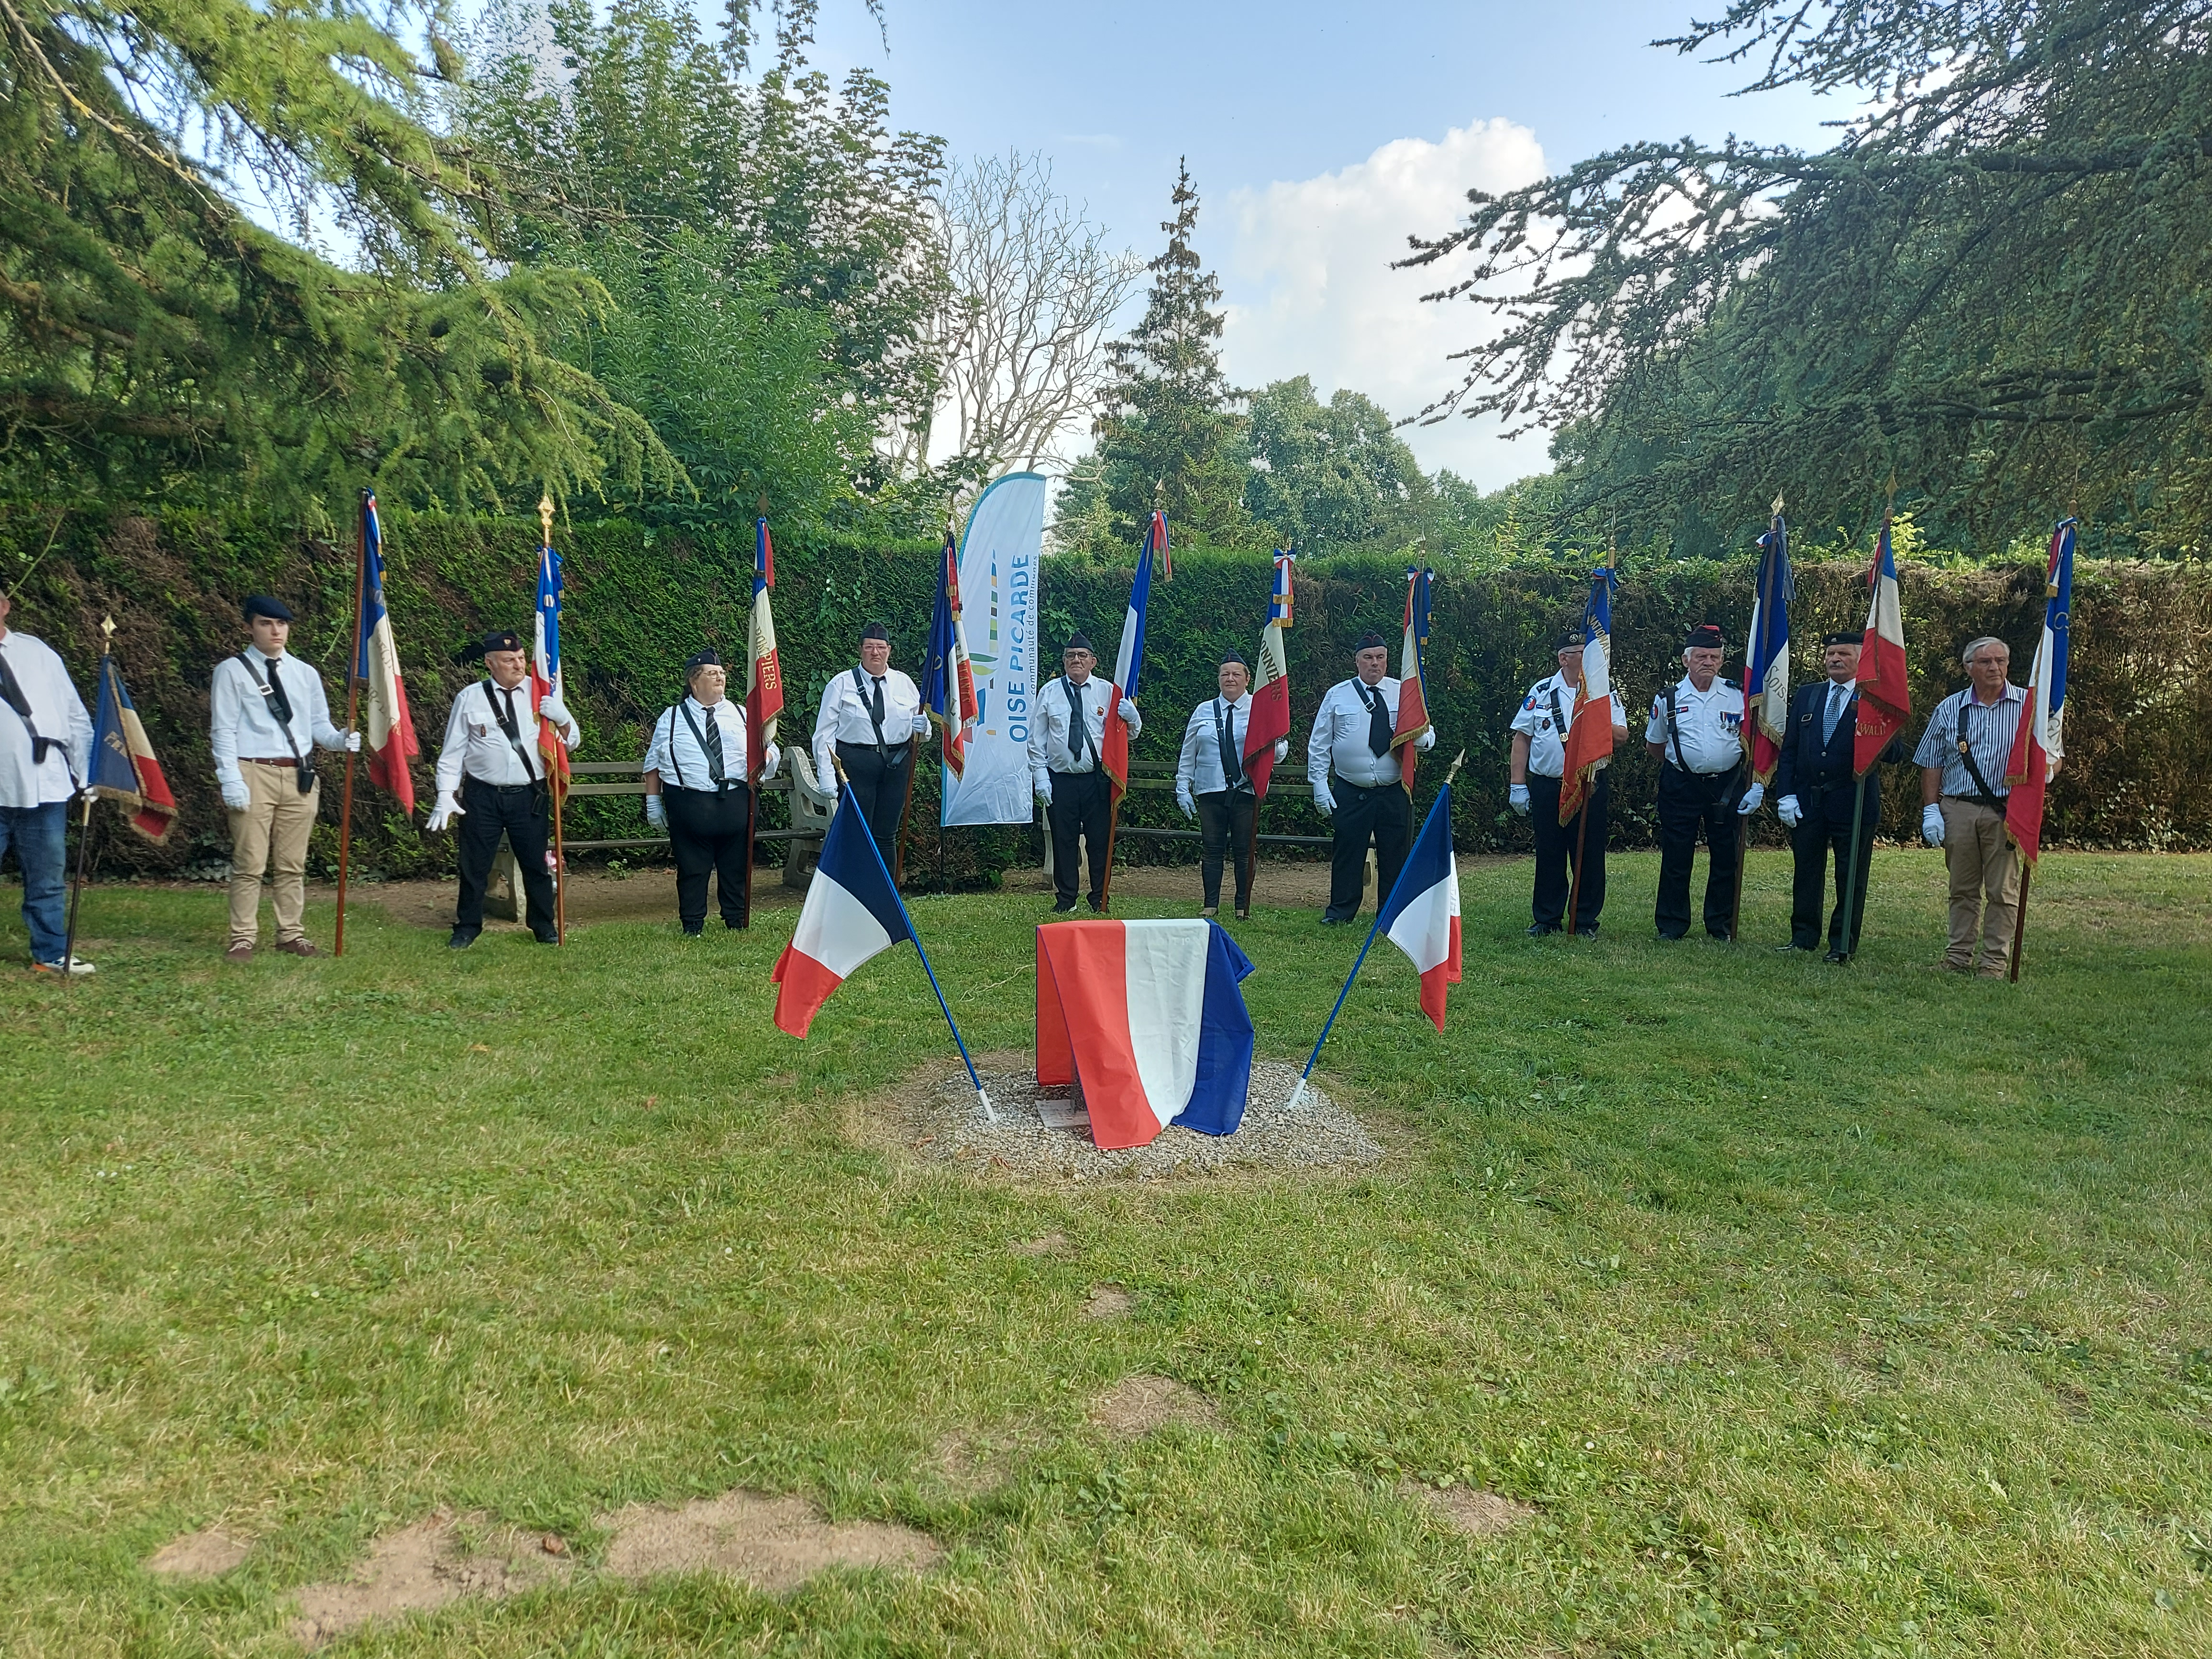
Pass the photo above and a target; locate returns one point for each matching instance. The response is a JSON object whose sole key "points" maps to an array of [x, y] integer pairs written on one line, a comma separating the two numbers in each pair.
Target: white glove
{"points": [[550, 707], [1931, 824], [1789, 811], [656, 812], [1282, 750], [921, 723], [448, 808], [1324, 802], [237, 796], [1044, 788], [1752, 797], [1517, 797], [1127, 711], [353, 743], [1189, 806], [775, 762]]}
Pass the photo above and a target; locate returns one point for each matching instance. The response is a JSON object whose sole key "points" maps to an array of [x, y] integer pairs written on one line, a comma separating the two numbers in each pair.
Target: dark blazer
{"points": [[1819, 773]]}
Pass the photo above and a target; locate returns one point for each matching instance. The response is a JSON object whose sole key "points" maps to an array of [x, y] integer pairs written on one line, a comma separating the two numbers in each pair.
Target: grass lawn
{"points": [[1858, 1311]]}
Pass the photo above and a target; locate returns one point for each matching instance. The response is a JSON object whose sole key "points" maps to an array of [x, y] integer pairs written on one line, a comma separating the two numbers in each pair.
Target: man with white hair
{"points": [[1962, 757]]}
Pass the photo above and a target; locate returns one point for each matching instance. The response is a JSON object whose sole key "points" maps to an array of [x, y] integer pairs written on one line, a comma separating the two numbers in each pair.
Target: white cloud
{"points": [[1311, 289]]}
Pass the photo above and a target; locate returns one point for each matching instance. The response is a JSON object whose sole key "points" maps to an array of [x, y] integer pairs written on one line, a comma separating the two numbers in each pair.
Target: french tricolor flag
{"points": [[1885, 690], [1147, 1018], [1422, 915], [851, 914]]}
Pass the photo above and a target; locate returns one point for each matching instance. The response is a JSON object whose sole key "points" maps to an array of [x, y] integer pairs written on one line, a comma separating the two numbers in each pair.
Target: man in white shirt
{"points": [[871, 715], [696, 788], [1352, 760], [45, 754], [1211, 784], [267, 714], [1696, 734], [492, 778], [1065, 734], [1538, 770]]}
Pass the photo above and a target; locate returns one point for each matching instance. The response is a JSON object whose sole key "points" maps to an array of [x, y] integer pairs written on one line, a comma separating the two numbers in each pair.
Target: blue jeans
{"points": [[38, 835]]}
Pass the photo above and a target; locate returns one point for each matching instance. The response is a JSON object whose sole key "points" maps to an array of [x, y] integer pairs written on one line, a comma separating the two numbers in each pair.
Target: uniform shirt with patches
{"points": [[1710, 722], [1547, 752]]}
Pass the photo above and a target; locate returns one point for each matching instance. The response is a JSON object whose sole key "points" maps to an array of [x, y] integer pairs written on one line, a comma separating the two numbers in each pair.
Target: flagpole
{"points": [[1298, 1094], [2020, 919], [560, 860], [84, 824], [1751, 741], [353, 709], [1852, 879], [906, 810], [944, 1007]]}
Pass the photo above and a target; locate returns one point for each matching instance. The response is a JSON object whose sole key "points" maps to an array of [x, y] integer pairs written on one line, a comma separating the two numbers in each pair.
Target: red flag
{"points": [[763, 675], [1412, 703], [1884, 694], [1269, 721]]}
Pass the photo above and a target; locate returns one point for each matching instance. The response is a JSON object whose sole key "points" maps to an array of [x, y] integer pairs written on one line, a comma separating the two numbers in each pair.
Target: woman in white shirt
{"points": [[1212, 786], [695, 786]]}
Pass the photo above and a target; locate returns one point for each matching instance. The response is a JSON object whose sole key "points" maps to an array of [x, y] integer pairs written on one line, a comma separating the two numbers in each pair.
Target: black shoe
{"points": [[547, 938], [1784, 949], [1836, 956], [1061, 906], [1589, 931], [461, 940], [1541, 930], [1722, 937], [1244, 913], [1328, 921], [734, 926], [1098, 905], [1680, 935], [700, 932]]}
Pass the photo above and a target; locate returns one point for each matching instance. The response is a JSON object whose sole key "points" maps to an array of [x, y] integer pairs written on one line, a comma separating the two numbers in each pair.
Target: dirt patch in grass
{"points": [[1107, 1302], [934, 1118], [773, 1544], [1139, 1404], [421, 1568], [1469, 1509], [206, 1554], [1043, 1244], [970, 1462]]}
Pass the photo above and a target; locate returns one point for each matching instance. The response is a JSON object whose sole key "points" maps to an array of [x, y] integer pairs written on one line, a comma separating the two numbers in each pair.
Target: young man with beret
{"points": [[267, 714]]}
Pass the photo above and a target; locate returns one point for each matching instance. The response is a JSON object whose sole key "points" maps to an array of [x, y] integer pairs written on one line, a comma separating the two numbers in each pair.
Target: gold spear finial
{"points": [[1777, 504], [107, 634], [545, 518], [1452, 771]]}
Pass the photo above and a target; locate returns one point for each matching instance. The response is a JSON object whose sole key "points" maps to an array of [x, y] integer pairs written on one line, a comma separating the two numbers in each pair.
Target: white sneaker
{"points": [[77, 965]]}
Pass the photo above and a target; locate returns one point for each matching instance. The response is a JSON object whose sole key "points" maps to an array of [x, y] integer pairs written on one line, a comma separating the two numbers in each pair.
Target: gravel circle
{"points": [[941, 1123]]}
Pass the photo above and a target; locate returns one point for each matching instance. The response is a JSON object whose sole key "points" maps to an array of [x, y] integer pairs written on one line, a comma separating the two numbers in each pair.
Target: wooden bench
{"points": [[1288, 780], [810, 821]]}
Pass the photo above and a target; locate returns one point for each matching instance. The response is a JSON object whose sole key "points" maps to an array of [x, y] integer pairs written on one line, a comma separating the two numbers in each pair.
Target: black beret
{"points": [[1572, 640], [1705, 636], [1371, 640], [1080, 642], [1236, 657], [876, 631], [709, 658], [500, 638], [1843, 639], [265, 604]]}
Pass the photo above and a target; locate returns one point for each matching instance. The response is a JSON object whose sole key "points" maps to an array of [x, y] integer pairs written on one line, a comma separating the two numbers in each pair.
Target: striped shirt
{"points": [[1989, 729]]}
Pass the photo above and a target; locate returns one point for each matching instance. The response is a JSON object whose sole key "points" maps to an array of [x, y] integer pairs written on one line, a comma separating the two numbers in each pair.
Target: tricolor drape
{"points": [[1885, 692], [1766, 655], [387, 729], [763, 674], [2037, 746]]}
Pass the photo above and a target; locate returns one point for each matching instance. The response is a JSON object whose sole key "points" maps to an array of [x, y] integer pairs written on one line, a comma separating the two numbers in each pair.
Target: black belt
{"points": [[1995, 802], [503, 788], [1725, 772], [729, 786]]}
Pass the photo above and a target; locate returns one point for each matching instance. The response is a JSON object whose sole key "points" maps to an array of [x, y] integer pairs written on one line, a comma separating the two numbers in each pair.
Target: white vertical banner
{"points": [[1000, 562]]}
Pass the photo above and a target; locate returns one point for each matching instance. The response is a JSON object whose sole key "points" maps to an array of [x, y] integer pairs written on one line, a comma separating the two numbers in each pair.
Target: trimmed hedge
{"points": [[641, 599]]}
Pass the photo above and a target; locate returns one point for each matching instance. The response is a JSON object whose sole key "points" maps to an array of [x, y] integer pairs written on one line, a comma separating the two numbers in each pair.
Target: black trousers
{"points": [[1383, 815], [1082, 805], [708, 828], [520, 813], [1689, 802], [1555, 850], [879, 780], [1224, 825], [1824, 829]]}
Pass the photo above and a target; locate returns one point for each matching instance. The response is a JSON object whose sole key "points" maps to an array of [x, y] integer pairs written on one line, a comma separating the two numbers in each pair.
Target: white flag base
{"points": [[1297, 1096], [984, 1101]]}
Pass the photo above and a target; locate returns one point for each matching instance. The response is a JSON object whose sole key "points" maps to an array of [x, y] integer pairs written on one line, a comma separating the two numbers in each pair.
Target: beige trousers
{"points": [[1985, 884], [273, 829]]}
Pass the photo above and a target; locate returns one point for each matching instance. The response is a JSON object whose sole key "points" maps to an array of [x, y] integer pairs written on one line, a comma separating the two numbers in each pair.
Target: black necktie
{"points": [[1379, 732], [713, 748], [876, 709], [1225, 728], [280, 706], [1079, 722]]}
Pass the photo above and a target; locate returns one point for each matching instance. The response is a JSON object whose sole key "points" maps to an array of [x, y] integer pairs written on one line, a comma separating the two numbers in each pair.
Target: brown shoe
{"points": [[238, 953], [297, 947]]}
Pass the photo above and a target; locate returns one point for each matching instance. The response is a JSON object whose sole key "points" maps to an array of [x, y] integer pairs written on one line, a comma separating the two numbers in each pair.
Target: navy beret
{"points": [[500, 638], [1705, 636], [1236, 657], [876, 631], [1572, 640], [265, 604], [1080, 642], [1843, 639], [1371, 640], [707, 658]]}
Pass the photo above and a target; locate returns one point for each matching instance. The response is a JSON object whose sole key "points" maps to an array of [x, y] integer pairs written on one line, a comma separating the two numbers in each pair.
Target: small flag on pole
{"points": [[2037, 747], [1885, 692], [1421, 916], [1269, 721], [545, 661], [763, 674], [1766, 661], [389, 734], [123, 768], [1412, 703], [1129, 660], [1589, 728], [948, 686]]}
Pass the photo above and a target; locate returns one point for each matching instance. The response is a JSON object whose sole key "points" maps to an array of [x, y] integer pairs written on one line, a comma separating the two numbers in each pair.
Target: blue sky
{"points": [[1319, 136]]}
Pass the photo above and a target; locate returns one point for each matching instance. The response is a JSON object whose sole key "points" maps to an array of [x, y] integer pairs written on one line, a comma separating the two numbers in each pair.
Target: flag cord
{"points": [[944, 1007]]}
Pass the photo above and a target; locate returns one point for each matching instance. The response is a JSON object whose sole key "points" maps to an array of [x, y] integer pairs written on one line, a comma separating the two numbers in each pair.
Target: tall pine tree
{"points": [[1170, 435]]}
